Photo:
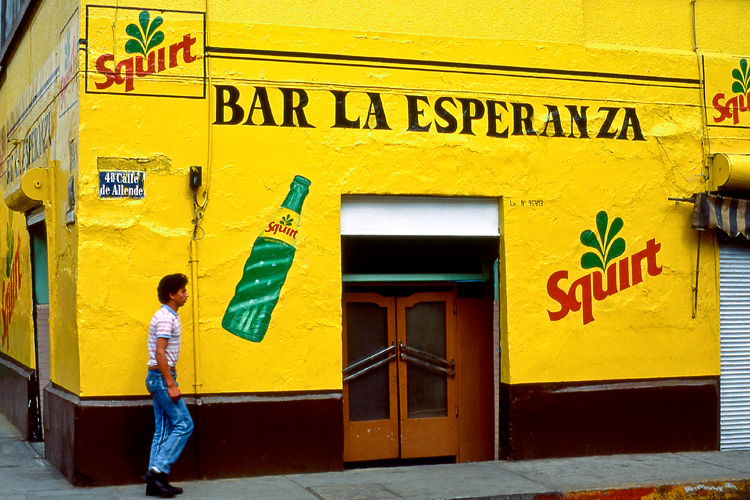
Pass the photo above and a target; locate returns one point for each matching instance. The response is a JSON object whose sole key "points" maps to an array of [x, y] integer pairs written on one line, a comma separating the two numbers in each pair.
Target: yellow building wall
{"points": [[38, 121], [18, 332], [648, 24], [17, 340], [552, 188]]}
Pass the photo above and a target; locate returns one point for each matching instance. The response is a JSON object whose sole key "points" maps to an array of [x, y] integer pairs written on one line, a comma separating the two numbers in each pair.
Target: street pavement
{"points": [[26, 475]]}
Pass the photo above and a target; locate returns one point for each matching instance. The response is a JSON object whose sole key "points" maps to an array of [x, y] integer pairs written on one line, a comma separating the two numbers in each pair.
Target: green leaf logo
{"points": [[603, 241], [741, 85], [286, 221], [144, 37]]}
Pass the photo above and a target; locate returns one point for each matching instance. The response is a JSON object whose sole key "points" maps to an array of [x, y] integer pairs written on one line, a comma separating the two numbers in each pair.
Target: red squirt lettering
{"points": [[116, 75], [569, 300], [140, 70], [102, 69], [10, 292], [584, 284], [624, 274], [587, 289], [732, 108], [127, 65], [162, 56], [155, 62], [724, 112], [599, 292], [650, 255], [274, 228], [184, 45], [557, 294]]}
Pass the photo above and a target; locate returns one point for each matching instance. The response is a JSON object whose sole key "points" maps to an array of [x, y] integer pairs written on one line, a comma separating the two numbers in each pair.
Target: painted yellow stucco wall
{"points": [[17, 339], [37, 122], [552, 188], [105, 262], [648, 24], [18, 342]]}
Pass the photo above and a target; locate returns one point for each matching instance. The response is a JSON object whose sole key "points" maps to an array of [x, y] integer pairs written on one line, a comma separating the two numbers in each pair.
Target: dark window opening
{"points": [[418, 255]]}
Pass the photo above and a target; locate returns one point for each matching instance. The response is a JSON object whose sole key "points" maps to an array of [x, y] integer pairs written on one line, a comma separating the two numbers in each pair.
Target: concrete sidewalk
{"points": [[24, 474]]}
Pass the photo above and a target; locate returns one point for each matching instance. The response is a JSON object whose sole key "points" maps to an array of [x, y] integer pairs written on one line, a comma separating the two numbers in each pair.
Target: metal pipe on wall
{"points": [[197, 382]]}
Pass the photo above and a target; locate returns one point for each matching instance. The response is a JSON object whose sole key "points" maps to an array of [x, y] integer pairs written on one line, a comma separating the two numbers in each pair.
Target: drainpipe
{"points": [[705, 146], [706, 141], [496, 354], [195, 183], [196, 330], [198, 382], [199, 209]]}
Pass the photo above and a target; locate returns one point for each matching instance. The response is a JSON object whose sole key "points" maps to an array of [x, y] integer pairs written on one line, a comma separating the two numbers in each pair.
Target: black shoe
{"points": [[157, 485], [175, 489]]}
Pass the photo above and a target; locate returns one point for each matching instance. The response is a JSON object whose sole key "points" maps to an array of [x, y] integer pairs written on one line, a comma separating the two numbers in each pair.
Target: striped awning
{"points": [[731, 215]]}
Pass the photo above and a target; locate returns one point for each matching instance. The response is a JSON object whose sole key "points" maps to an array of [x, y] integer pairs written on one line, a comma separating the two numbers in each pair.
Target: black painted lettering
{"points": [[579, 118], [227, 97], [341, 120], [376, 110], [290, 110], [522, 115], [469, 115], [631, 120], [450, 120], [553, 117], [415, 113], [494, 117], [604, 131], [260, 101]]}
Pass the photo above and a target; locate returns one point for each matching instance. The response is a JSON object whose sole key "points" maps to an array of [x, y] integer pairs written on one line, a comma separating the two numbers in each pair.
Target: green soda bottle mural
{"points": [[256, 295]]}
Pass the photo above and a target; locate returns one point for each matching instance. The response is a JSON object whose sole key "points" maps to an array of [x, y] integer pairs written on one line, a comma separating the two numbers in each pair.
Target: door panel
{"points": [[399, 382], [370, 389], [427, 388], [476, 421]]}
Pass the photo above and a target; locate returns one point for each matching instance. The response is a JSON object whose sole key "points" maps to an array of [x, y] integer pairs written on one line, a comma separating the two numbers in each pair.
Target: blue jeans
{"points": [[173, 423]]}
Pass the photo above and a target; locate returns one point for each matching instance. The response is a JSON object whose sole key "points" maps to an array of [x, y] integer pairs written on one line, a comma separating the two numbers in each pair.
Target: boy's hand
{"points": [[174, 393]]}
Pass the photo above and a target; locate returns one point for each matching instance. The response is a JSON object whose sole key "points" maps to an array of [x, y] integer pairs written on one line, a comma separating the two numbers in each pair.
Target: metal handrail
{"points": [[370, 358], [402, 353], [426, 355], [369, 368], [427, 365]]}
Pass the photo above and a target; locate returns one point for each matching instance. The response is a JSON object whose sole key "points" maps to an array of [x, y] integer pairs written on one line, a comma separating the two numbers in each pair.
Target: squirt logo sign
{"points": [[730, 107], [608, 268], [135, 51]]}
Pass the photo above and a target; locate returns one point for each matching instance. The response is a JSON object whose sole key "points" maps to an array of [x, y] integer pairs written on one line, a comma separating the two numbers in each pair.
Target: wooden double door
{"points": [[400, 387]]}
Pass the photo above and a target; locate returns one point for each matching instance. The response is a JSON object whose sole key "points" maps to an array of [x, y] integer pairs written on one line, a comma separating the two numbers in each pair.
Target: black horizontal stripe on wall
{"points": [[425, 65]]}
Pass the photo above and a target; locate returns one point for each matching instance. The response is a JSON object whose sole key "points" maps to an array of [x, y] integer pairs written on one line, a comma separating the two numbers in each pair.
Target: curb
{"points": [[719, 490]]}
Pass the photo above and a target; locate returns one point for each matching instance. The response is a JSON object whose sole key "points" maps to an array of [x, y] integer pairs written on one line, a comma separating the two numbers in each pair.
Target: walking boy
{"points": [[173, 422]]}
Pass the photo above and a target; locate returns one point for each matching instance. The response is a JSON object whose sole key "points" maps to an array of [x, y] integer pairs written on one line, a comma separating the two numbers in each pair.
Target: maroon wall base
{"points": [[608, 417], [107, 442], [59, 430], [18, 397], [96, 442], [267, 437]]}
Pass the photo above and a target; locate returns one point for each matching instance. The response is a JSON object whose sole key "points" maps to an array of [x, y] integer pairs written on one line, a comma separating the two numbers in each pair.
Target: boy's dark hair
{"points": [[172, 283]]}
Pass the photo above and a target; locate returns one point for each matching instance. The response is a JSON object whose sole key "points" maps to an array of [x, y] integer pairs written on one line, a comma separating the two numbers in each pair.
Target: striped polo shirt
{"points": [[165, 324]]}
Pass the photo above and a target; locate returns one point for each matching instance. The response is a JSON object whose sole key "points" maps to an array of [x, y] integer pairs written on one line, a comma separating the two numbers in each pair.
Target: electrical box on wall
{"points": [[196, 177]]}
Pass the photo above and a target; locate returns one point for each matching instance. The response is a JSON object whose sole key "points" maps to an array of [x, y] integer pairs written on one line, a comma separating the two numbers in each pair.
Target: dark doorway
{"points": [[40, 286], [418, 348]]}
